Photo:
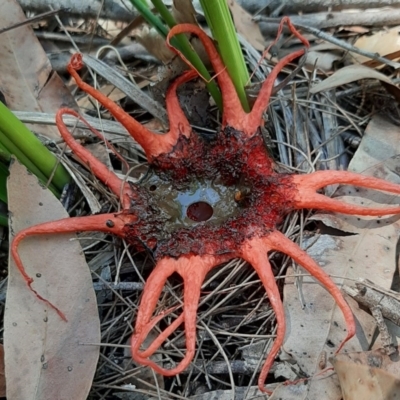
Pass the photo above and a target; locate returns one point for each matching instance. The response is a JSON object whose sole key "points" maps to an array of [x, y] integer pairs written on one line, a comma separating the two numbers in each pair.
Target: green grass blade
{"points": [[11, 148], [220, 22], [179, 41], [187, 50], [164, 12], [150, 18], [5, 155], [3, 182], [28, 146], [3, 219]]}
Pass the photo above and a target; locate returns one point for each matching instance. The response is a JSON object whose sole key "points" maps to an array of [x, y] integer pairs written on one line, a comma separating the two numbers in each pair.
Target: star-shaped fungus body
{"points": [[205, 202]]}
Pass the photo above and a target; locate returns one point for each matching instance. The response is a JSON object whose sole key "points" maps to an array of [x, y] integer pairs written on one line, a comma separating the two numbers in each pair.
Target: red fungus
{"points": [[234, 176]]}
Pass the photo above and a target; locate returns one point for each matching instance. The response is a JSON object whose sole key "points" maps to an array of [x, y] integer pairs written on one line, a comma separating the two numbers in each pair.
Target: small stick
{"points": [[369, 295], [326, 20], [329, 38], [32, 20], [341, 43], [376, 312]]}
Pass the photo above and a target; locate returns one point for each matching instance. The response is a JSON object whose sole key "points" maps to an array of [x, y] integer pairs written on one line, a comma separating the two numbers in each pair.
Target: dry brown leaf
{"points": [[326, 46], [378, 149], [246, 26], [354, 29], [384, 42], [315, 331], [370, 375], [27, 80], [322, 61], [323, 55], [155, 44], [184, 12], [45, 357], [350, 74]]}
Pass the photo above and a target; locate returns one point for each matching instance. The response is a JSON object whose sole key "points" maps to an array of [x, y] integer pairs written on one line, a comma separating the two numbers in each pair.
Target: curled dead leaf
{"points": [[369, 375], [349, 74]]}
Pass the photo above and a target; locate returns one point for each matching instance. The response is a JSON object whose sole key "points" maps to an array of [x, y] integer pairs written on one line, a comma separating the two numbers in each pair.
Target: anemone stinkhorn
{"points": [[224, 201]]}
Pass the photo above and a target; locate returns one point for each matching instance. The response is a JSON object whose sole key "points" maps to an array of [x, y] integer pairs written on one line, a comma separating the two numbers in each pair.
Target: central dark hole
{"points": [[199, 211]]}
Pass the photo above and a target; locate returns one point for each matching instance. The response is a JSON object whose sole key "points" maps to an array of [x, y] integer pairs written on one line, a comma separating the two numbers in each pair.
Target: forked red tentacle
{"points": [[152, 291], [153, 144], [277, 241], [95, 132], [144, 321], [234, 115], [233, 112], [97, 167], [137, 339], [253, 119], [307, 197], [188, 316], [254, 251], [109, 223], [193, 270], [178, 123]]}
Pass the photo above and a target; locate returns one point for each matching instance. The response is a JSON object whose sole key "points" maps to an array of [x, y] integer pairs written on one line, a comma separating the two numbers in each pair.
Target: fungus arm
{"points": [[233, 112], [193, 270], [277, 241], [97, 167], [144, 322], [307, 197], [254, 118], [109, 223], [152, 143], [255, 252], [178, 123], [234, 115]]}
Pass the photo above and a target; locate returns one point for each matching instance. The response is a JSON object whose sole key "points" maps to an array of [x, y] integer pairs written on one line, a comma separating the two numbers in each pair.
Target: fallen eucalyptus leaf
{"points": [[27, 80], [354, 73], [45, 357], [370, 375]]}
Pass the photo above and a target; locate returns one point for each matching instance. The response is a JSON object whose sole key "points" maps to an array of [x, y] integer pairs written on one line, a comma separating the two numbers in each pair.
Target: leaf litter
{"points": [[368, 251], [368, 375], [45, 357], [27, 80]]}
